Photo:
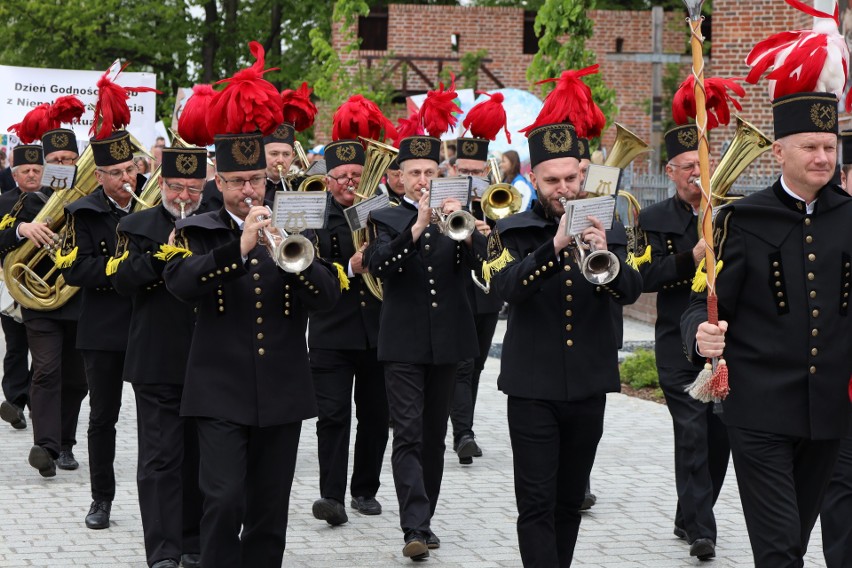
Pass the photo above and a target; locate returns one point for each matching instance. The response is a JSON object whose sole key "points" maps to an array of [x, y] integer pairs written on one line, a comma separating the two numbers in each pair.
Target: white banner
{"points": [[24, 88]]}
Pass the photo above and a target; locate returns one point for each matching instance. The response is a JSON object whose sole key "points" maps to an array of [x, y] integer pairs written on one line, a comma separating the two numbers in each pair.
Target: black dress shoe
{"points": [[467, 447], [366, 505], [680, 532], [703, 548], [66, 460], [588, 502], [330, 511], [165, 564], [466, 461], [13, 415], [415, 546], [432, 540], [41, 459], [98, 517], [190, 560]]}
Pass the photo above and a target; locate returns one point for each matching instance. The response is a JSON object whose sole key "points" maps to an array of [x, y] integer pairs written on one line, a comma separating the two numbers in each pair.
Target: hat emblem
{"points": [[120, 150], [687, 138], [186, 163], [557, 140], [581, 147], [420, 148], [281, 132], [246, 152], [823, 116], [345, 153], [60, 140], [31, 156], [469, 148]]}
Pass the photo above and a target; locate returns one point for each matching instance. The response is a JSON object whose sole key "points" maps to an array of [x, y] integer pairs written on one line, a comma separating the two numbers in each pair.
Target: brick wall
{"points": [[644, 309]]}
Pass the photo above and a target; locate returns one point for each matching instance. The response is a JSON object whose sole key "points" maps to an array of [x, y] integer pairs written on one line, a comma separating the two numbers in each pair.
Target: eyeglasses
{"points": [[63, 161], [343, 179], [685, 167], [466, 172], [180, 188], [234, 184], [116, 174]]}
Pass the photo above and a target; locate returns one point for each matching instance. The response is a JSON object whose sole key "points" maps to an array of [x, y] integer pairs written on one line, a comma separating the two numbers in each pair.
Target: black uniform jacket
{"points": [[161, 326], [24, 210], [91, 224], [248, 363], [561, 342], [672, 233], [784, 291], [353, 322], [426, 316]]}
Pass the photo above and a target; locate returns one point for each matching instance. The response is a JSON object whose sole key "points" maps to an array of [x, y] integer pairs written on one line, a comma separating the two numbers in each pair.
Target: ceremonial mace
{"points": [[712, 382]]}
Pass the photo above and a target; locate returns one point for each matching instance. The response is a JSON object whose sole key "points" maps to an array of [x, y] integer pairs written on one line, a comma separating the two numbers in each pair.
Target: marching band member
{"points": [[279, 156], [248, 382], [342, 344], [161, 329], [556, 408]]}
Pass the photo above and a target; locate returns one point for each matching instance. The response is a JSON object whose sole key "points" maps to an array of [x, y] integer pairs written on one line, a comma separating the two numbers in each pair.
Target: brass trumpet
{"points": [[292, 253], [458, 225], [598, 266], [500, 200]]}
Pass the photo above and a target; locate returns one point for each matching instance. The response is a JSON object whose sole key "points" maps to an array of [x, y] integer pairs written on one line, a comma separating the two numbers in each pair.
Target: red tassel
{"points": [[571, 101], [438, 111], [192, 123], [47, 116], [111, 110], [407, 127], [359, 116], [298, 108], [487, 118], [719, 386], [717, 98], [248, 102], [66, 110]]}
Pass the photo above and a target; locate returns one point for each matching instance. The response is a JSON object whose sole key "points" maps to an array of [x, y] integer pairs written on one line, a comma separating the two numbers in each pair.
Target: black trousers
{"points": [[782, 480], [553, 450], [245, 474], [419, 397], [332, 372], [167, 474], [701, 454], [16, 368], [59, 383], [104, 371], [836, 513], [467, 378]]}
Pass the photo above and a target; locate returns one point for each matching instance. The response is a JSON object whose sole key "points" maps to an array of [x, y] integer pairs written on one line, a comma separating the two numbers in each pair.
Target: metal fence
{"points": [[651, 188]]}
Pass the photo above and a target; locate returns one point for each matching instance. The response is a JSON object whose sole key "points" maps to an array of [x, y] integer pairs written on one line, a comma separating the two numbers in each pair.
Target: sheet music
{"points": [[58, 177], [478, 186], [295, 211], [601, 207], [357, 215], [452, 187], [602, 180]]}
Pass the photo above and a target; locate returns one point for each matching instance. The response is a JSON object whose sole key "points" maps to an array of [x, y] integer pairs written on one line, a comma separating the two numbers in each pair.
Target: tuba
{"points": [[625, 148], [378, 158], [29, 271], [746, 146], [500, 200]]}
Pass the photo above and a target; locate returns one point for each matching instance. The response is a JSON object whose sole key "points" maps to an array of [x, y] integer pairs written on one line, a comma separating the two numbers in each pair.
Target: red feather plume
{"points": [[407, 127], [248, 102], [359, 116], [111, 110], [438, 111], [571, 101], [192, 123], [487, 118], [716, 89], [298, 108], [47, 116]]}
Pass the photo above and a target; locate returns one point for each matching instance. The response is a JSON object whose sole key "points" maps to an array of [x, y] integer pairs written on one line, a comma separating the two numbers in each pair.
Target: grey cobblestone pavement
{"points": [[41, 520]]}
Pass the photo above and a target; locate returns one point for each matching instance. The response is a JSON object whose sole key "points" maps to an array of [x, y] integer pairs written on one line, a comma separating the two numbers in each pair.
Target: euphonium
{"points": [[747, 144], [292, 253], [598, 266], [29, 271], [378, 157], [625, 148], [500, 200]]}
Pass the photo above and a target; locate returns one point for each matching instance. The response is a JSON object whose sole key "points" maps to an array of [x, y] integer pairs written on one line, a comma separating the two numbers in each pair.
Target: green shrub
{"points": [[640, 370]]}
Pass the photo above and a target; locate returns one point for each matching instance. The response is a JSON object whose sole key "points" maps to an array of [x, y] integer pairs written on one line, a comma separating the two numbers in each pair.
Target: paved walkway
{"points": [[42, 520]]}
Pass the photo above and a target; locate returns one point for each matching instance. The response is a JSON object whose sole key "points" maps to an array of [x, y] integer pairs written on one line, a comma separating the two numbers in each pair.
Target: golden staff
{"points": [[712, 382]]}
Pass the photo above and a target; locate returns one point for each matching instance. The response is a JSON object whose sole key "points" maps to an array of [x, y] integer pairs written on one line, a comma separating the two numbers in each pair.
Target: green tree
{"points": [[562, 27]]}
